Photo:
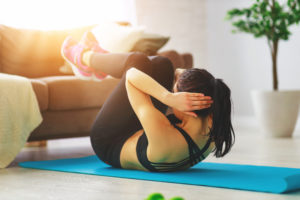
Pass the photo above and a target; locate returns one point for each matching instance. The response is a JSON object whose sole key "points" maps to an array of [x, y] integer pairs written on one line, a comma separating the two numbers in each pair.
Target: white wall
{"points": [[182, 20], [198, 26]]}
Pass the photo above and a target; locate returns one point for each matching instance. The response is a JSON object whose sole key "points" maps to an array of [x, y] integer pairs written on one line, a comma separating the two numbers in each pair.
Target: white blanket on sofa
{"points": [[19, 115]]}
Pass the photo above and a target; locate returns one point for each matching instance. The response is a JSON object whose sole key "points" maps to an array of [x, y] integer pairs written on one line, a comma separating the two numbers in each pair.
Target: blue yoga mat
{"points": [[243, 177]]}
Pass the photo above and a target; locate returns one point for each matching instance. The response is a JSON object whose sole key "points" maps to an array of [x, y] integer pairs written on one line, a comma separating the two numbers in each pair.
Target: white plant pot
{"points": [[276, 111]]}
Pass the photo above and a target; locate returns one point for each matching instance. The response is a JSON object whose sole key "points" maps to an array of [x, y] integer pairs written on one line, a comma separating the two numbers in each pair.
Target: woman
{"points": [[131, 130]]}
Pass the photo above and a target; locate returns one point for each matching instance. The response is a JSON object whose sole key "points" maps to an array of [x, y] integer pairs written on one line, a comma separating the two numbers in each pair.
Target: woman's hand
{"points": [[188, 102]]}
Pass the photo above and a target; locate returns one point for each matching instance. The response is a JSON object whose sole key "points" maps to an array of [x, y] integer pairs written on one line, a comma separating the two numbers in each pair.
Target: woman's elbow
{"points": [[130, 73]]}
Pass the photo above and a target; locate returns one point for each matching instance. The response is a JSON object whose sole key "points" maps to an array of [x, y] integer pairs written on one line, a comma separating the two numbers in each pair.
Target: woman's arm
{"points": [[152, 120], [183, 101]]}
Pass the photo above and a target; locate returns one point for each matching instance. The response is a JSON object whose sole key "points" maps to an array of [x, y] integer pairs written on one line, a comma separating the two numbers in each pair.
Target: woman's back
{"points": [[184, 147]]}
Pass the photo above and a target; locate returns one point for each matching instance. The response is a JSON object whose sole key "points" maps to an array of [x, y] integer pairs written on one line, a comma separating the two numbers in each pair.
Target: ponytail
{"points": [[222, 131], [200, 80]]}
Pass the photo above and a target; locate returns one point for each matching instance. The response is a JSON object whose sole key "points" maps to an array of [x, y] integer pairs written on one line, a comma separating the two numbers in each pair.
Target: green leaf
{"points": [[263, 7], [263, 19], [234, 12]]}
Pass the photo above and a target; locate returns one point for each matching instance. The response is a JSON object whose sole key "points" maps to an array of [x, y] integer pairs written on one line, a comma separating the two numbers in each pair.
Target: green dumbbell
{"points": [[158, 196], [155, 196]]}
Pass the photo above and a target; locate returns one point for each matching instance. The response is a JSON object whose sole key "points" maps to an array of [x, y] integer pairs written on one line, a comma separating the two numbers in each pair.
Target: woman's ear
{"points": [[208, 125]]}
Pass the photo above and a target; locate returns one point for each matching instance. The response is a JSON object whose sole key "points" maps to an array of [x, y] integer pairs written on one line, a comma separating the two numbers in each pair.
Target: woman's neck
{"points": [[193, 124]]}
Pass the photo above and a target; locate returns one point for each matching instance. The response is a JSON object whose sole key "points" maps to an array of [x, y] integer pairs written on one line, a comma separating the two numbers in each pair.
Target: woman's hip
{"points": [[108, 148]]}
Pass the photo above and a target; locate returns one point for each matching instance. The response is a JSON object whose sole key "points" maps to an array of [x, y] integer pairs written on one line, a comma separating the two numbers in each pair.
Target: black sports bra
{"points": [[196, 154]]}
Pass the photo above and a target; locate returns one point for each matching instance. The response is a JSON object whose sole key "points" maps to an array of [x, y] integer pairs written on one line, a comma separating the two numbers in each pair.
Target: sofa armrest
{"points": [[188, 60], [40, 89], [178, 60]]}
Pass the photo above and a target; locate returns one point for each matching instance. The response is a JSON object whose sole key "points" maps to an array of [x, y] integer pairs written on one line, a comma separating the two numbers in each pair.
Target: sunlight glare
{"points": [[62, 14]]}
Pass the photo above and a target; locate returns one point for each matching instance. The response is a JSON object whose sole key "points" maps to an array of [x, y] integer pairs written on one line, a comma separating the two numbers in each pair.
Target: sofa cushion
{"points": [[33, 53], [69, 92], [41, 92]]}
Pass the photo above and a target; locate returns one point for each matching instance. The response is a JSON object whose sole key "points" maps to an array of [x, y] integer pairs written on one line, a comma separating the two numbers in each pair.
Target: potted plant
{"points": [[277, 111]]}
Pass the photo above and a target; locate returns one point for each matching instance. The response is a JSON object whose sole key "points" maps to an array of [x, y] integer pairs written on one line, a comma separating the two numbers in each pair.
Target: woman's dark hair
{"points": [[201, 81]]}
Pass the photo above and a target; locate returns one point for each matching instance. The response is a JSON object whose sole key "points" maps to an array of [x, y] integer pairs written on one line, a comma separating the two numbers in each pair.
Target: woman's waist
{"points": [[128, 156]]}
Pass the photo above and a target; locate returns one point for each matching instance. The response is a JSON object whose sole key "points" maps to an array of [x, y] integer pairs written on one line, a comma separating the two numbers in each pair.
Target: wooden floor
{"points": [[27, 184]]}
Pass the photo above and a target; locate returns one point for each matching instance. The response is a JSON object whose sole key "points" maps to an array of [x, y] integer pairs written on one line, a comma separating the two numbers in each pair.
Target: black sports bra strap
{"points": [[188, 140], [194, 150], [204, 149], [173, 119]]}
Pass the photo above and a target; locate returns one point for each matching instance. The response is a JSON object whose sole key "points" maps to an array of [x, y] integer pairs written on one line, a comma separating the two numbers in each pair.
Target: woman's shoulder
{"points": [[173, 143]]}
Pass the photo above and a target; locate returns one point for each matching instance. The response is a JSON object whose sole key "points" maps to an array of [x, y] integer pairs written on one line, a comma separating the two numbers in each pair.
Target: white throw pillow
{"points": [[116, 38], [150, 43]]}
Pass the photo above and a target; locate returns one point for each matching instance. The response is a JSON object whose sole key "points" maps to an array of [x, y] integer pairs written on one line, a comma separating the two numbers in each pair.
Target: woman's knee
{"points": [[164, 64], [139, 61], [163, 69]]}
